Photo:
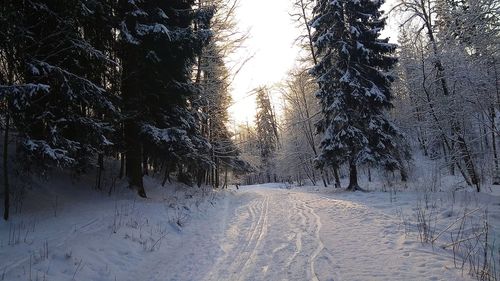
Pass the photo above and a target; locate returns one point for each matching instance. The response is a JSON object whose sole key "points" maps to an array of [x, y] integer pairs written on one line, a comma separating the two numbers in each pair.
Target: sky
{"points": [[271, 46]]}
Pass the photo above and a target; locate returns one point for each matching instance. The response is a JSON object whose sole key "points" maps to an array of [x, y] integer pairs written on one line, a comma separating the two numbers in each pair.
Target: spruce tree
{"points": [[354, 74], [267, 133], [159, 49], [55, 102]]}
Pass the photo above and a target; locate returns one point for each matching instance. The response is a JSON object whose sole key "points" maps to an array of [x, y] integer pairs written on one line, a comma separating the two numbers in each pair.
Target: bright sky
{"points": [[271, 42]]}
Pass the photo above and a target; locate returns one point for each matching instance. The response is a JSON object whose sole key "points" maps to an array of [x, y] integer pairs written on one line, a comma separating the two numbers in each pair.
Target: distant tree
{"points": [[267, 134], [449, 62], [299, 140], [214, 100], [354, 74]]}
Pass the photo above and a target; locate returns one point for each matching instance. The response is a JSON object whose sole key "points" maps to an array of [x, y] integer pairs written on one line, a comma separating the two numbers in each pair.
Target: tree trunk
{"points": [[455, 125], [469, 163], [6, 169], [200, 177], [122, 165], [327, 174], [100, 168], [207, 176], [216, 174], [225, 178], [325, 184], [212, 176], [131, 95], [404, 174], [451, 163], [353, 178], [337, 177], [145, 168], [323, 176], [496, 172], [134, 158]]}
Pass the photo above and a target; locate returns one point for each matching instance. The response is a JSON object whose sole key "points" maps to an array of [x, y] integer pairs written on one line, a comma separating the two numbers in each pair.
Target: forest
{"points": [[131, 95], [84, 83], [444, 98]]}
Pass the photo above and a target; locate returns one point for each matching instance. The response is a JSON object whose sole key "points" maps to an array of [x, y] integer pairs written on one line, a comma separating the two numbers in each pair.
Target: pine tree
{"points": [[159, 50], [267, 133], [354, 74], [56, 104], [59, 110]]}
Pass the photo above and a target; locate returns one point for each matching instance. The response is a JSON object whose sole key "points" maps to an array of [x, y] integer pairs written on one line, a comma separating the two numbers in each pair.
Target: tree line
{"points": [[85, 82], [435, 94]]}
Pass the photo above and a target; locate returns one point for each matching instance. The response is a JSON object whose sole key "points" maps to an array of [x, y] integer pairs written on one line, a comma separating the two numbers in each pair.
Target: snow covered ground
{"points": [[264, 232]]}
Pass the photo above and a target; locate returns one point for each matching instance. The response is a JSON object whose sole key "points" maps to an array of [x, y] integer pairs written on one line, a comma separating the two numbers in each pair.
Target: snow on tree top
{"points": [[157, 28], [126, 36]]}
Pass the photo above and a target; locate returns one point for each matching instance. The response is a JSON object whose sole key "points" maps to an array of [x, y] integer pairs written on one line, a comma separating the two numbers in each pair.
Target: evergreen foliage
{"points": [[354, 74], [267, 133], [86, 79]]}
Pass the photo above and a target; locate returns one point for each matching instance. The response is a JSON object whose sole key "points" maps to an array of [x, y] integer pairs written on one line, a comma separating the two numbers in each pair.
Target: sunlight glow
{"points": [[271, 42], [273, 50]]}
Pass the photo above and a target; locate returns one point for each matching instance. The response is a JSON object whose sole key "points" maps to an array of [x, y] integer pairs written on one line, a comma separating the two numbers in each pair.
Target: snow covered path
{"points": [[254, 233], [274, 237], [293, 235]]}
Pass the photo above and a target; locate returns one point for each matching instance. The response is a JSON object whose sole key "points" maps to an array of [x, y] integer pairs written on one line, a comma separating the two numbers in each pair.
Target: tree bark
{"points": [[166, 176], [216, 174], [200, 177], [100, 168], [122, 166], [131, 130], [6, 169], [353, 177], [145, 168], [337, 177], [225, 178], [469, 163], [404, 174], [134, 157], [496, 172], [131, 91]]}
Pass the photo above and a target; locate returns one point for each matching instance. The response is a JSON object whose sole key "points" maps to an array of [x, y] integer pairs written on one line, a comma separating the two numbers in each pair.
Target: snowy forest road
{"points": [[259, 232], [274, 237], [286, 234]]}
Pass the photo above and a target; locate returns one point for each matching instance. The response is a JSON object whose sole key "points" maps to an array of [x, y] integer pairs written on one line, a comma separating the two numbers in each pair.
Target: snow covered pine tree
{"points": [[55, 105], [159, 50], [354, 77], [268, 137]]}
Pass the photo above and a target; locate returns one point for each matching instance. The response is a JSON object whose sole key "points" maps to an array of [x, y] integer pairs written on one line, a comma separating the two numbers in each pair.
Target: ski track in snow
{"points": [[256, 233], [277, 238], [292, 235]]}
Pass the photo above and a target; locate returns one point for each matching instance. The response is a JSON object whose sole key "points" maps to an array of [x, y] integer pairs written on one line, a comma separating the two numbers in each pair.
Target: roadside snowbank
{"points": [[68, 232]]}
